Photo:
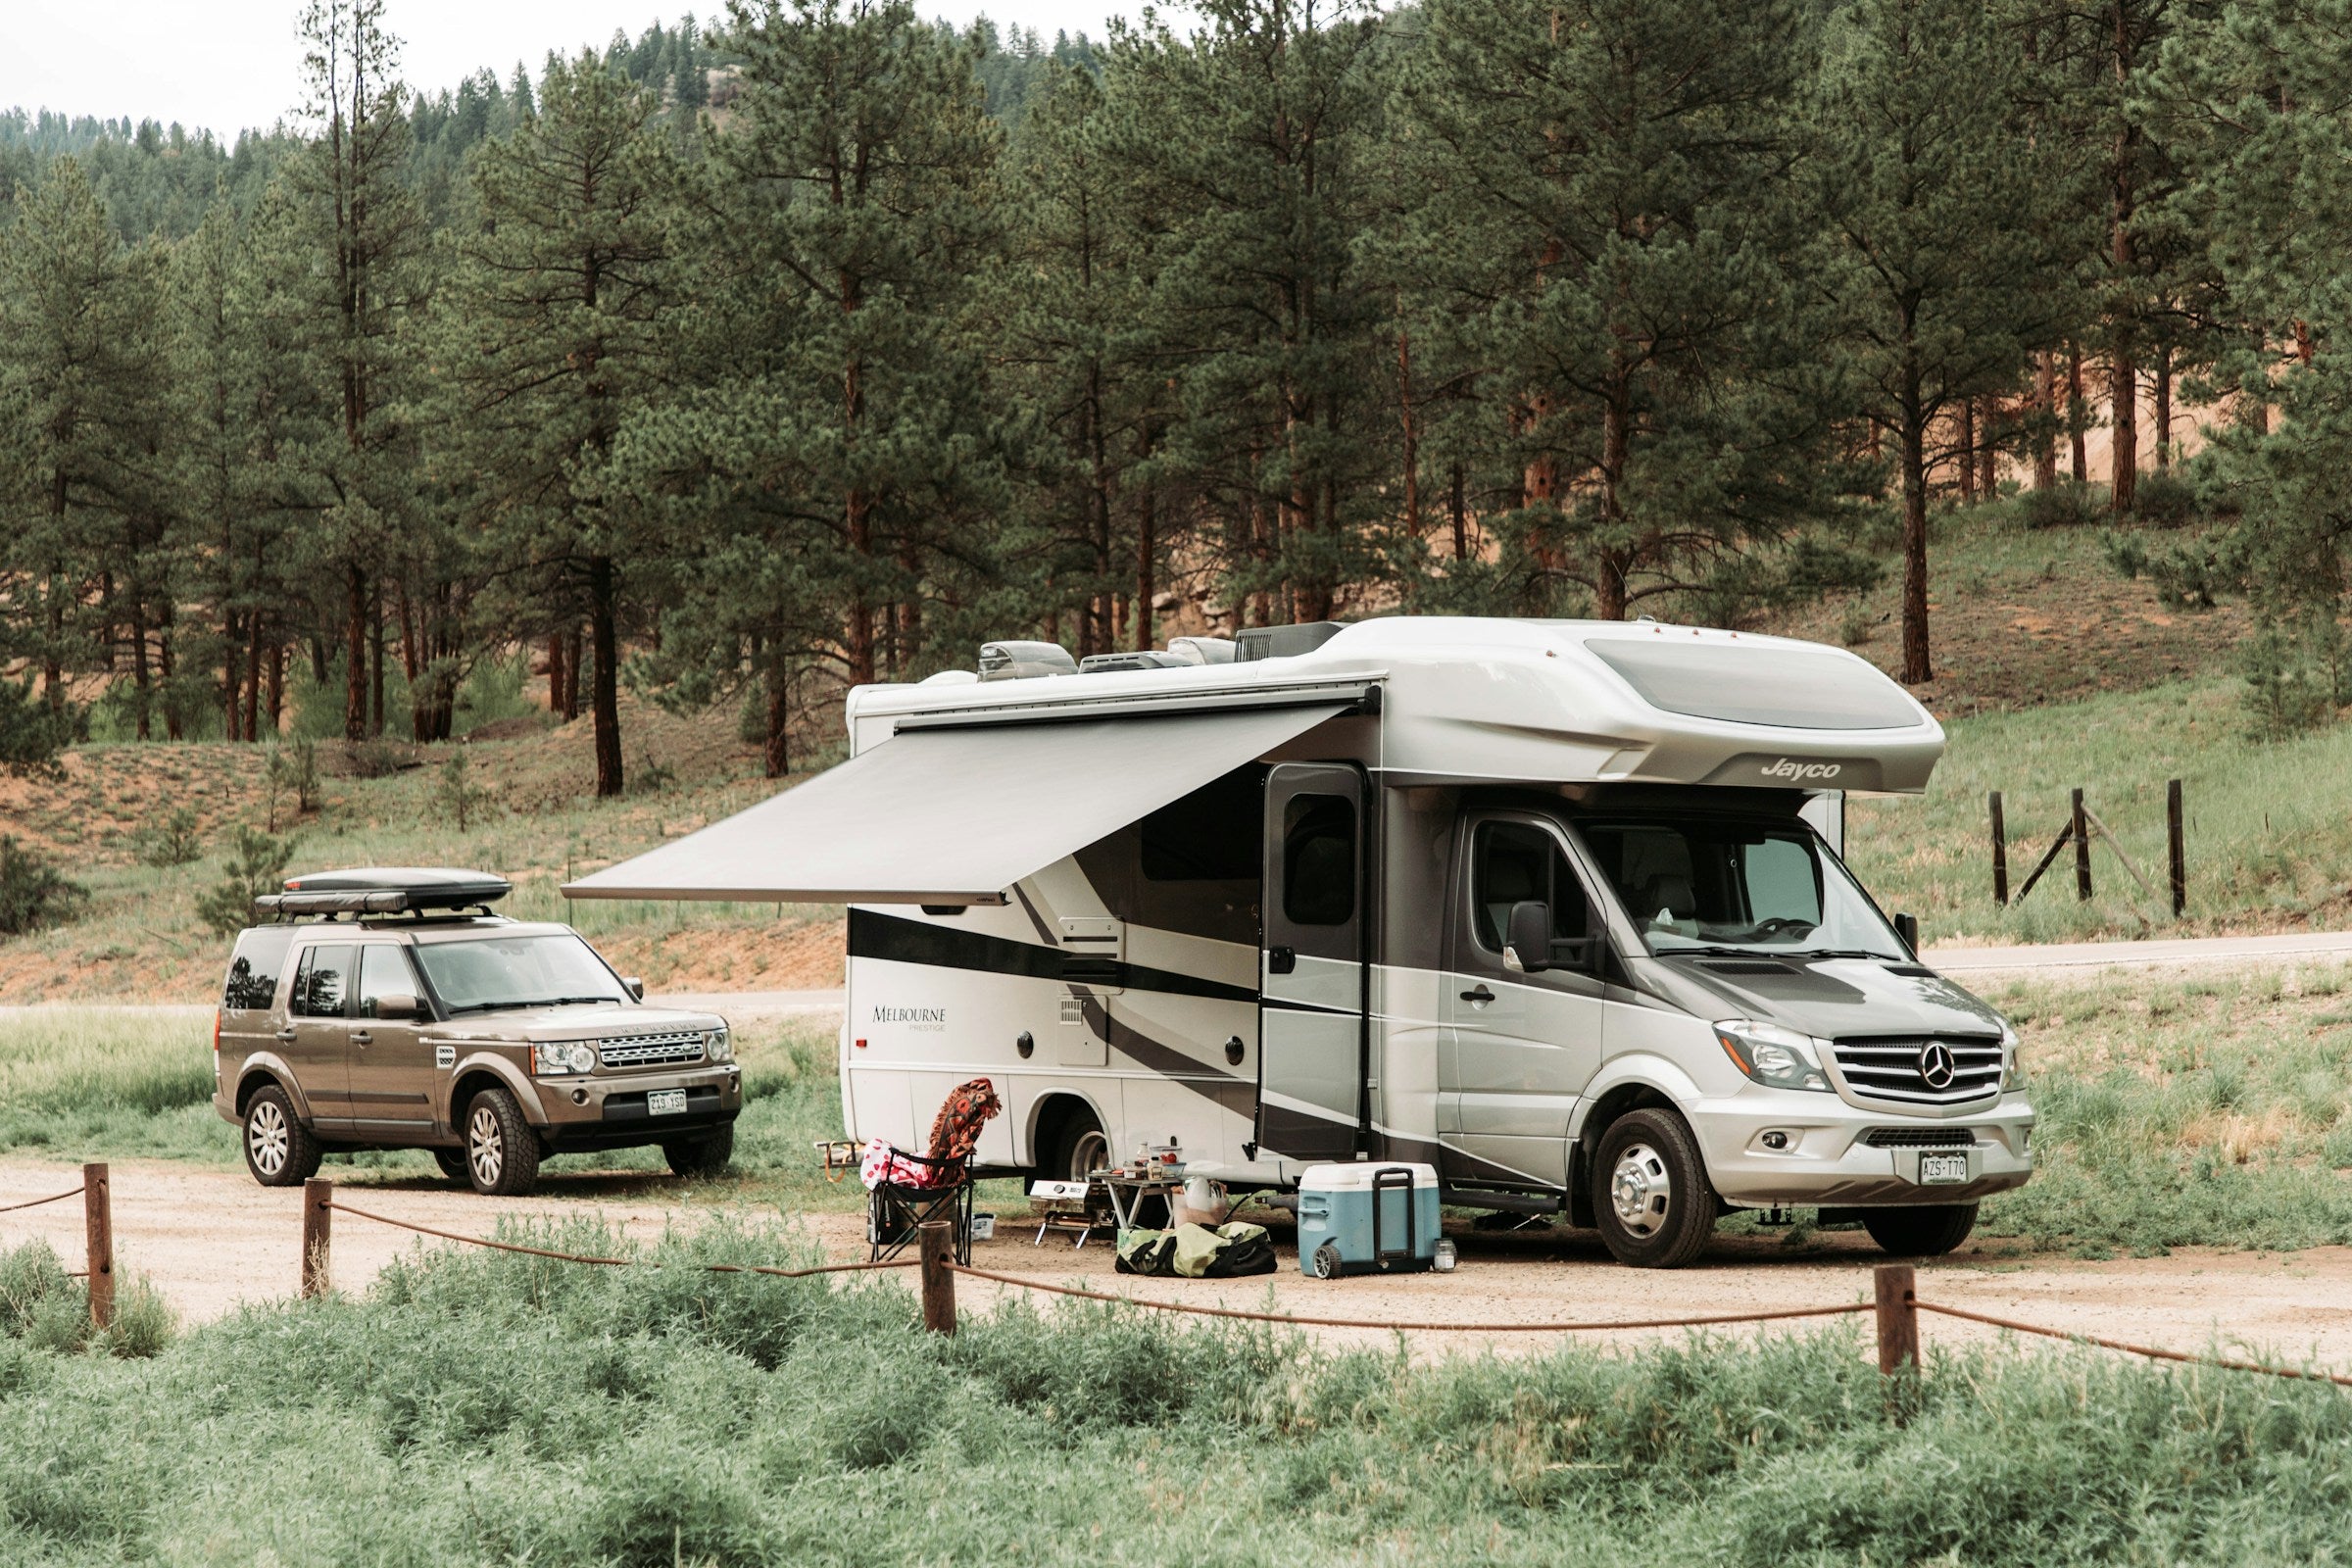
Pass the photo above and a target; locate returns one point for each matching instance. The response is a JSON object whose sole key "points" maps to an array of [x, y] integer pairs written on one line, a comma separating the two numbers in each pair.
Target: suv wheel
{"points": [[279, 1149], [1930, 1229], [707, 1156], [1654, 1207], [501, 1152], [453, 1165]]}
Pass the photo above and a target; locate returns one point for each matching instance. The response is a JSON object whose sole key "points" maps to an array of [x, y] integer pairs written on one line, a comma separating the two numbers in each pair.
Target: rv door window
{"points": [[1318, 860], [1513, 861], [1755, 886]]}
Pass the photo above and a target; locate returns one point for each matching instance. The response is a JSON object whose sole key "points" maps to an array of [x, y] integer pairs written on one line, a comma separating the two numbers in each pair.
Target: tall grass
{"points": [[87, 1082], [478, 1409]]}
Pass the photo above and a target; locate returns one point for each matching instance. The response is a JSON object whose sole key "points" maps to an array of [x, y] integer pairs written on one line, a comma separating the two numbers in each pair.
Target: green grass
{"points": [[479, 1409]]}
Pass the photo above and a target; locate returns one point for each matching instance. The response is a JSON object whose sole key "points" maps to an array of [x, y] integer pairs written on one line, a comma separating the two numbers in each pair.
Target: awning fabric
{"points": [[952, 816]]}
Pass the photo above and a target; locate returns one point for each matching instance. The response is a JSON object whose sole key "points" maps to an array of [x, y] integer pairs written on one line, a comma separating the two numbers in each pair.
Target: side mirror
{"points": [[1906, 926], [397, 1006], [1527, 948], [636, 988]]}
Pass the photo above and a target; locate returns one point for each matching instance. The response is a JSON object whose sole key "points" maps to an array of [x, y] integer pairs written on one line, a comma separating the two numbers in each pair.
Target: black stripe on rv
{"points": [[899, 940]]}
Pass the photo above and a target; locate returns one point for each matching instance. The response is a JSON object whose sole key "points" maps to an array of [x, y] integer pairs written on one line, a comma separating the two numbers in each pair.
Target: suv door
{"points": [[1519, 1049], [314, 1039], [393, 1076]]}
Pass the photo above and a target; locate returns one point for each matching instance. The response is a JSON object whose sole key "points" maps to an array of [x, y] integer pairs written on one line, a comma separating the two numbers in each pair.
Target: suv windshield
{"points": [[1752, 887], [482, 973]]}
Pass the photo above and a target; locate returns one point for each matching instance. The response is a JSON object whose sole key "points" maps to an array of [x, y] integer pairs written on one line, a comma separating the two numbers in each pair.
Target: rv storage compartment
{"points": [[1366, 1219]]}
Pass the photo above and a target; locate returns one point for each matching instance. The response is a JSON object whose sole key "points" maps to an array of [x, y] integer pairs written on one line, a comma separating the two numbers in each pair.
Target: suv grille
{"points": [[1927, 1072], [1918, 1137], [652, 1050]]}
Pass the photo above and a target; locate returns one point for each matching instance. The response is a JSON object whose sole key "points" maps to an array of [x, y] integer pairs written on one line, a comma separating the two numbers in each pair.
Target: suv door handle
{"points": [[360, 1037], [288, 1033], [1480, 997]]}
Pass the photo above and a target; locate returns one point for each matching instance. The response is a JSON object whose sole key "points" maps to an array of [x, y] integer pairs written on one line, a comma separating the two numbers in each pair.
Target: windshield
{"points": [[1749, 887], [480, 974]]}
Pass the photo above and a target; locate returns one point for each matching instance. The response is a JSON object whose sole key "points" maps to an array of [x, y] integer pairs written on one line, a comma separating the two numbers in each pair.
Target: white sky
{"points": [[225, 65]]}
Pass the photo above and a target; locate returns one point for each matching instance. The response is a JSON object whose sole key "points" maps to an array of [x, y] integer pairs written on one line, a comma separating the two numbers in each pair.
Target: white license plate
{"points": [[1942, 1170], [672, 1103]]}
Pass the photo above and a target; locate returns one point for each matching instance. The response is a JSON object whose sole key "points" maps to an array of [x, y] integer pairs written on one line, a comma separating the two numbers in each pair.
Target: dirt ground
{"points": [[212, 1240]]}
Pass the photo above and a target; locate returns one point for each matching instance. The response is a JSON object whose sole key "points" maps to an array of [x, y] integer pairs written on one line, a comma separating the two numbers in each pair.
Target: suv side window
{"points": [[322, 985], [1512, 862], [261, 957], [384, 972]]}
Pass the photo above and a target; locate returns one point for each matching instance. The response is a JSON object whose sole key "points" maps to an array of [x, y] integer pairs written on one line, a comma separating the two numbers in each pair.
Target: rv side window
{"points": [[322, 982], [1318, 860], [1210, 835], [1513, 863]]}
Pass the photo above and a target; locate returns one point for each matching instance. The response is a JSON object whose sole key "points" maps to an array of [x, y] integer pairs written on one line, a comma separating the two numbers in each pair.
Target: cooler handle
{"points": [[1391, 1179]]}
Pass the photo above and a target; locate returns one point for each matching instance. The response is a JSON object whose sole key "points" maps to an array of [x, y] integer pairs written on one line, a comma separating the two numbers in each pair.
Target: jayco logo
{"points": [[910, 1015], [1797, 772]]}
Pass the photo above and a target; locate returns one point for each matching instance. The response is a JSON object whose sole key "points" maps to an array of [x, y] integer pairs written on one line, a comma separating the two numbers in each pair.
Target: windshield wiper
{"points": [[1712, 953], [526, 1001], [1845, 953]]}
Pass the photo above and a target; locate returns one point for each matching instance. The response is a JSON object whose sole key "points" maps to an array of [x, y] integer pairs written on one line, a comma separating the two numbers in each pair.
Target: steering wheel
{"points": [[1776, 924]]}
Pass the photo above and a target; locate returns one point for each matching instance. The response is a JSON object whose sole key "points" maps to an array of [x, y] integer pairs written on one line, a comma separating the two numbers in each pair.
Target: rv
{"points": [[1556, 907]]}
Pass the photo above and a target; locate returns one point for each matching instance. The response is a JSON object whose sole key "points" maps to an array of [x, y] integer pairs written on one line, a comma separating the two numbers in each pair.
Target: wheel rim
{"points": [[267, 1139], [1641, 1189], [485, 1150], [1090, 1154]]}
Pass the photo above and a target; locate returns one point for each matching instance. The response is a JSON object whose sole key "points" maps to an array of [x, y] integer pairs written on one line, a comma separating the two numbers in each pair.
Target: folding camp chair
{"points": [[894, 1209]]}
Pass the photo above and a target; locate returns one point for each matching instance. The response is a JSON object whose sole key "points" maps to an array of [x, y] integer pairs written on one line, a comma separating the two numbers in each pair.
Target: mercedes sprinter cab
{"points": [[1556, 907]]}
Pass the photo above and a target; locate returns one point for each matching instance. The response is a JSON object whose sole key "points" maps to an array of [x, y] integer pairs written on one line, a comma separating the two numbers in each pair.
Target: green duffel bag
{"points": [[1142, 1251], [1229, 1250]]}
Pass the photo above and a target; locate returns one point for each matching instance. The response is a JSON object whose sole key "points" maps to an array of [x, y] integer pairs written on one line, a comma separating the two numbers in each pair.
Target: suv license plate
{"points": [[1940, 1169], [672, 1103]]}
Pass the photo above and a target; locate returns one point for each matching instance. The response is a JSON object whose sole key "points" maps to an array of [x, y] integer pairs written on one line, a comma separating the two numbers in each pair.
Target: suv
{"points": [[391, 1010]]}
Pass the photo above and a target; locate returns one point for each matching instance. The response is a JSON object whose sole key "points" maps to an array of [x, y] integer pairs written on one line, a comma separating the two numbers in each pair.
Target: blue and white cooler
{"points": [[1367, 1218]]}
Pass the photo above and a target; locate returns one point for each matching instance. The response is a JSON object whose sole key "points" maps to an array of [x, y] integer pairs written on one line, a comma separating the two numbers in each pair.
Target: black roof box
{"points": [[384, 890]]}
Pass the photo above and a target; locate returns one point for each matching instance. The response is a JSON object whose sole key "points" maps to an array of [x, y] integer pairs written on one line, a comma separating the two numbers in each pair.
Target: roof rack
{"points": [[384, 890]]}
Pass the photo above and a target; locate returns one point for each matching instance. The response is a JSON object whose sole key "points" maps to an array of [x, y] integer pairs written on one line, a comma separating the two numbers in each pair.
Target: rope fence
{"points": [[98, 1237], [53, 1198]]}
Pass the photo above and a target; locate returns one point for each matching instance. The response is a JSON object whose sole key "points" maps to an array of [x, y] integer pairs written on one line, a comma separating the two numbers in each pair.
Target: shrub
{"points": [[255, 867], [2166, 498], [2061, 505], [2125, 552], [456, 796], [2294, 678], [144, 1323], [293, 769], [30, 734], [378, 758], [35, 893], [30, 1275], [174, 841]]}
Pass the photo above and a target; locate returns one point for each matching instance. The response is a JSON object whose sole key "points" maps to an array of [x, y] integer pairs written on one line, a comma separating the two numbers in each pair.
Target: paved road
{"points": [[2291, 947]]}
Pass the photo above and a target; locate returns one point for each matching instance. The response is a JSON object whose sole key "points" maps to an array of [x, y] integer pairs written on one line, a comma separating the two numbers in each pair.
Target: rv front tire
{"points": [[1927, 1231], [1079, 1148], [1653, 1203]]}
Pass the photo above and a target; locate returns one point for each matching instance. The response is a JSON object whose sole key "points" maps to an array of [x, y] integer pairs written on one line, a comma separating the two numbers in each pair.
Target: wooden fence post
{"points": [[98, 1231], [937, 1240], [318, 1233], [1898, 1318], [2176, 844], [2000, 853], [2081, 833]]}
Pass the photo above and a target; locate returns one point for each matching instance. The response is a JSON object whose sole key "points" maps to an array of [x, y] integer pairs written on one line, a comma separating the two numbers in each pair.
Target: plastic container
{"points": [[1367, 1218]]}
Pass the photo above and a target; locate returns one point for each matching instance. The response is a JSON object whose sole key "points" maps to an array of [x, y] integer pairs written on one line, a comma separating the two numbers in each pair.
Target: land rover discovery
{"points": [[390, 1008]]}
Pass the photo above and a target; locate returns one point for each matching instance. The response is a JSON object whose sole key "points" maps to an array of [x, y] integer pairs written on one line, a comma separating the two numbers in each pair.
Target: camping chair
{"points": [[893, 1209]]}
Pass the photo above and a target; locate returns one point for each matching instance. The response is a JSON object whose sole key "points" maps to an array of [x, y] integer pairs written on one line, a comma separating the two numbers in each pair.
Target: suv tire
{"points": [[501, 1152], [279, 1149], [706, 1155], [1653, 1204], [453, 1165], [1930, 1229]]}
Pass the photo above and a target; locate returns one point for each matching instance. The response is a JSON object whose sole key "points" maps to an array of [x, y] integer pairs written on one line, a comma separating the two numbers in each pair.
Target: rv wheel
{"points": [[1930, 1229], [1079, 1148], [1653, 1205]]}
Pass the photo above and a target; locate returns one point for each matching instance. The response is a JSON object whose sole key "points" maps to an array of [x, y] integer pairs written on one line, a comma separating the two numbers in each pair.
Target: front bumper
{"points": [[609, 1110], [1829, 1160]]}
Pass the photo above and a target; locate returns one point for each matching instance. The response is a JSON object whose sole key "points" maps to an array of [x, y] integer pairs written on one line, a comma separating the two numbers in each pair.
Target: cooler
{"points": [[1366, 1218]]}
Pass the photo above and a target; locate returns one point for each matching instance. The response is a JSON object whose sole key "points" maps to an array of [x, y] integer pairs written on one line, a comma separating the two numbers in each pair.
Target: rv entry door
{"points": [[1312, 976]]}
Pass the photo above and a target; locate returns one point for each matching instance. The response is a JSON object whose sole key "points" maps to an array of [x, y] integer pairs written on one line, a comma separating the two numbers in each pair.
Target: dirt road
{"points": [[210, 1239]]}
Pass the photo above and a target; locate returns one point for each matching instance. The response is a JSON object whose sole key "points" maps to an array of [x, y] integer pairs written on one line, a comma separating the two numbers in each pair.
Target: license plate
{"points": [[672, 1103], [1938, 1169]]}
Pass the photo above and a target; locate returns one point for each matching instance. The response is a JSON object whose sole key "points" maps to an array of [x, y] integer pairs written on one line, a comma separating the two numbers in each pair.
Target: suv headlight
{"points": [[555, 1058], [1777, 1058], [718, 1045]]}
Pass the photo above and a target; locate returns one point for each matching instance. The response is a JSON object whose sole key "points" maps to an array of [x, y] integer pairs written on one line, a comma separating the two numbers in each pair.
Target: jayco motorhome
{"points": [[1556, 907]]}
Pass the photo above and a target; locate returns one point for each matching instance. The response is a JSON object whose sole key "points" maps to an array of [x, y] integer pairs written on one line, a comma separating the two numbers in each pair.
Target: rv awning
{"points": [[952, 816]]}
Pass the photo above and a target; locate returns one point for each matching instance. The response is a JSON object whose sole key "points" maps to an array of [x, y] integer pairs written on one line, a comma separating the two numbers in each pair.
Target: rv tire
{"points": [[1930, 1229], [1652, 1201], [1079, 1146]]}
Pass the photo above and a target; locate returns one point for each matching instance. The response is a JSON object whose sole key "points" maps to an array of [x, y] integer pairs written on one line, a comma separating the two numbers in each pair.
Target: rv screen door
{"points": [[1312, 974]]}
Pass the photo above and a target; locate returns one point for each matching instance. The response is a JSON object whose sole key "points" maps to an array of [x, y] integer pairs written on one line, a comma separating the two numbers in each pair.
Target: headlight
{"points": [[718, 1045], [551, 1057], [2012, 1068], [1780, 1058]]}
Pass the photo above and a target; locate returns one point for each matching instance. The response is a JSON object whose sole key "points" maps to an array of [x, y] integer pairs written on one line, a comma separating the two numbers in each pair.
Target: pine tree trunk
{"points": [[602, 611], [1147, 589], [1616, 440], [1916, 666], [233, 685], [139, 661], [2075, 412], [278, 688], [376, 660], [2046, 451], [775, 754], [555, 672], [1966, 419], [1459, 506], [2163, 411], [355, 654], [574, 656], [172, 728], [1988, 455], [1413, 441], [253, 681]]}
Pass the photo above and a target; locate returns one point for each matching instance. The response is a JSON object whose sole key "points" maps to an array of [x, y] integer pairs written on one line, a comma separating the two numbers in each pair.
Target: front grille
{"points": [[1918, 1137], [1896, 1069], [652, 1050]]}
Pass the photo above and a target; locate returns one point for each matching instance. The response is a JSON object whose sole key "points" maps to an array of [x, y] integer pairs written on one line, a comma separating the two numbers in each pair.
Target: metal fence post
{"points": [[936, 1238], [98, 1231], [318, 1233], [2176, 843], [2081, 832], [2000, 851]]}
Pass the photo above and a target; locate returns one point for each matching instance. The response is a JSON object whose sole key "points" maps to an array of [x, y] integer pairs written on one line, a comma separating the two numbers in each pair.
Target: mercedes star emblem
{"points": [[1936, 1064]]}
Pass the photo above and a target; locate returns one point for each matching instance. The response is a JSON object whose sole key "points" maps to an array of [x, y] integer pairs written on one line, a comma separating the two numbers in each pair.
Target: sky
{"points": [[226, 65]]}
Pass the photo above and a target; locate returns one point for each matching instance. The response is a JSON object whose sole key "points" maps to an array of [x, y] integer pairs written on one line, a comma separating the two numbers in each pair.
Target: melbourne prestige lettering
{"points": [[928, 1019]]}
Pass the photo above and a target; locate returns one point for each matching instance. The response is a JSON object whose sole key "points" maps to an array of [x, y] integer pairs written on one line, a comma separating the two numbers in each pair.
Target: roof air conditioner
{"points": [[1023, 660]]}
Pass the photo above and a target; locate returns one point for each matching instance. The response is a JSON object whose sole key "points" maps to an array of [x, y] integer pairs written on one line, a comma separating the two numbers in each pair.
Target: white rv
{"points": [[1554, 905]]}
